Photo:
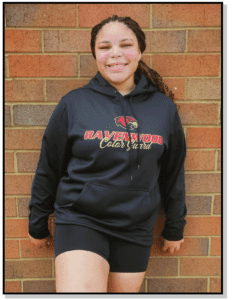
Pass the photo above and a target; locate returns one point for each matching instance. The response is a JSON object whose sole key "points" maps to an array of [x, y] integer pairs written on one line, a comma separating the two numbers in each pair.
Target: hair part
{"points": [[149, 73]]}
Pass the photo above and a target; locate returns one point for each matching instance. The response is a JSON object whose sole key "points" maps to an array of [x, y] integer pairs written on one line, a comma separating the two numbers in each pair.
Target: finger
{"points": [[171, 250]]}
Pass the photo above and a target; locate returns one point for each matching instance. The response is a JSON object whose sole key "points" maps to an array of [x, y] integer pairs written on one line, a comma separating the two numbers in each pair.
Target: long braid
{"points": [[156, 79], [149, 73]]}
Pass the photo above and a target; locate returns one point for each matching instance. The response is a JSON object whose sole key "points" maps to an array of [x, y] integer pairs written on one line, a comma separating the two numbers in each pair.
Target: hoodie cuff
{"points": [[173, 236], [42, 234]]}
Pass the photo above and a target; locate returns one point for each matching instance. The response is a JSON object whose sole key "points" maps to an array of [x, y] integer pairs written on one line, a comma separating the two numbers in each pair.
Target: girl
{"points": [[113, 152]]}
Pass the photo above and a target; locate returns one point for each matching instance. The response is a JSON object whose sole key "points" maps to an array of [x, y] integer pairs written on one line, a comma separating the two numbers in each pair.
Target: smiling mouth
{"points": [[116, 65]]}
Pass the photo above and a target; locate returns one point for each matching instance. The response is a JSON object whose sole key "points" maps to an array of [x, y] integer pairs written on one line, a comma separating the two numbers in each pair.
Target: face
{"points": [[117, 54]]}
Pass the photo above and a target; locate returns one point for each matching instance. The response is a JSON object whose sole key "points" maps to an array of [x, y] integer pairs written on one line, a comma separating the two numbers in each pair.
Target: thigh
{"points": [[81, 262], [125, 282], [127, 257], [128, 264]]}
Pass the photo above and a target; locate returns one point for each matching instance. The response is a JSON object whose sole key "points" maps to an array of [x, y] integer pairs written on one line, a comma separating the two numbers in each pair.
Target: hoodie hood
{"points": [[140, 93]]}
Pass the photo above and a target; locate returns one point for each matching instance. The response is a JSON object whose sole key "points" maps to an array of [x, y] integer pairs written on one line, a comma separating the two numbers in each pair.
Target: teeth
{"points": [[116, 65]]}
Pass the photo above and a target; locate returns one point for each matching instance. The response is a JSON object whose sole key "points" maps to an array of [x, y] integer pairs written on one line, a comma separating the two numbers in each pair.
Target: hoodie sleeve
{"points": [[172, 182], [52, 160]]}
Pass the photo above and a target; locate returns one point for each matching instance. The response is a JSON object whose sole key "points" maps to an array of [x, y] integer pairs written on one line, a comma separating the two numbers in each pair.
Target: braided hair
{"points": [[149, 73]]}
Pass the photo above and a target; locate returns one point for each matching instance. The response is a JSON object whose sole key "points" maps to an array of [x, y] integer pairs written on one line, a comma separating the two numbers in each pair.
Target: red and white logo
{"points": [[120, 121]]}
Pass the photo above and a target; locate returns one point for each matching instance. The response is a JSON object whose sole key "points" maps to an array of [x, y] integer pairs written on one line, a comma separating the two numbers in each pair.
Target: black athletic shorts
{"points": [[123, 256]]}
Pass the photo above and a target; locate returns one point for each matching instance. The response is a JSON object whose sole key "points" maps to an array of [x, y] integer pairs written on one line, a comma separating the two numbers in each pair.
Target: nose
{"points": [[115, 51]]}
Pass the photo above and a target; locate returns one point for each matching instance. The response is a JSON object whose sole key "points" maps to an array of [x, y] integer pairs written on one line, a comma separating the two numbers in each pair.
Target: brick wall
{"points": [[47, 54]]}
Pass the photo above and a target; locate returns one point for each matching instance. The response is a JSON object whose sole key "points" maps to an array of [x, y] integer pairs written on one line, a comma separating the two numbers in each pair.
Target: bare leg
{"points": [[81, 271]]}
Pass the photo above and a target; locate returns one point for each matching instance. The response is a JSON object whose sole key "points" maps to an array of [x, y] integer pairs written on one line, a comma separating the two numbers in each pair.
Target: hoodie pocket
{"points": [[121, 208]]}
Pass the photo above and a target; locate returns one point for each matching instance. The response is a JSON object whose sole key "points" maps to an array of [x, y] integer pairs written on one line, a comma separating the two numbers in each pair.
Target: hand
{"points": [[42, 243], [172, 246]]}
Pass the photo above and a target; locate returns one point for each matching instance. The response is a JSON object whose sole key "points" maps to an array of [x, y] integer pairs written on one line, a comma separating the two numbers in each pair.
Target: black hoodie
{"points": [[92, 170]]}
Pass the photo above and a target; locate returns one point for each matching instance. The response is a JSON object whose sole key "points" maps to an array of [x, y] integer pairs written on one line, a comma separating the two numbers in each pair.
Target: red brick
{"points": [[99, 12], [199, 114], [67, 41], [146, 59], [202, 226], [187, 65], [198, 205], [41, 15], [9, 162], [28, 250], [203, 183], [196, 226], [12, 286], [203, 88], [203, 137], [215, 285], [18, 184], [30, 139], [7, 116], [56, 89], [18, 228], [213, 14], [217, 204], [11, 249], [190, 247], [10, 207], [32, 115], [158, 266], [200, 266], [42, 65], [176, 285], [24, 90], [28, 269], [88, 66], [23, 40], [186, 15], [165, 41], [200, 161], [39, 286], [215, 246], [27, 162], [159, 226], [208, 40], [23, 203], [177, 86]]}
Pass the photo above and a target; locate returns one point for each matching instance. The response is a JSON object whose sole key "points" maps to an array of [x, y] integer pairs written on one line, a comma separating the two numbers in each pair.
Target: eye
{"points": [[105, 47], [126, 45]]}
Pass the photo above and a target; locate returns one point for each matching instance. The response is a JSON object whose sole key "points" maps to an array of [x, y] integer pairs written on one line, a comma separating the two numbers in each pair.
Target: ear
{"points": [[140, 55]]}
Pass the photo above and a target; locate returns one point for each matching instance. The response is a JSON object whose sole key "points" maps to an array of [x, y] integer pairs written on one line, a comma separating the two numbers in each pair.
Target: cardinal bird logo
{"points": [[120, 121]]}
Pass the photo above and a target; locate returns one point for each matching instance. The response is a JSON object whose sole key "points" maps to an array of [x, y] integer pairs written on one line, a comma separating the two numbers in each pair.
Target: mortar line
{"points": [[44, 91], [143, 28], [144, 53]]}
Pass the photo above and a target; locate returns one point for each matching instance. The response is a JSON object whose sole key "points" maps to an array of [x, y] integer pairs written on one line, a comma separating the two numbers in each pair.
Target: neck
{"points": [[125, 90]]}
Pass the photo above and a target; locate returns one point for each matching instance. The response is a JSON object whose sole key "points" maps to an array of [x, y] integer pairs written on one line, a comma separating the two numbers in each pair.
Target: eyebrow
{"points": [[119, 41]]}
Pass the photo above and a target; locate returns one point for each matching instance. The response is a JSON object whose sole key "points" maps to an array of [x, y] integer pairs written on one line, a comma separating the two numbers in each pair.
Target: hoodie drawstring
{"points": [[138, 149], [124, 115]]}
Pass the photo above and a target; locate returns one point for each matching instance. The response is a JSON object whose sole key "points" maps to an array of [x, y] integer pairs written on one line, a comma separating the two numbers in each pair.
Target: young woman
{"points": [[113, 152]]}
